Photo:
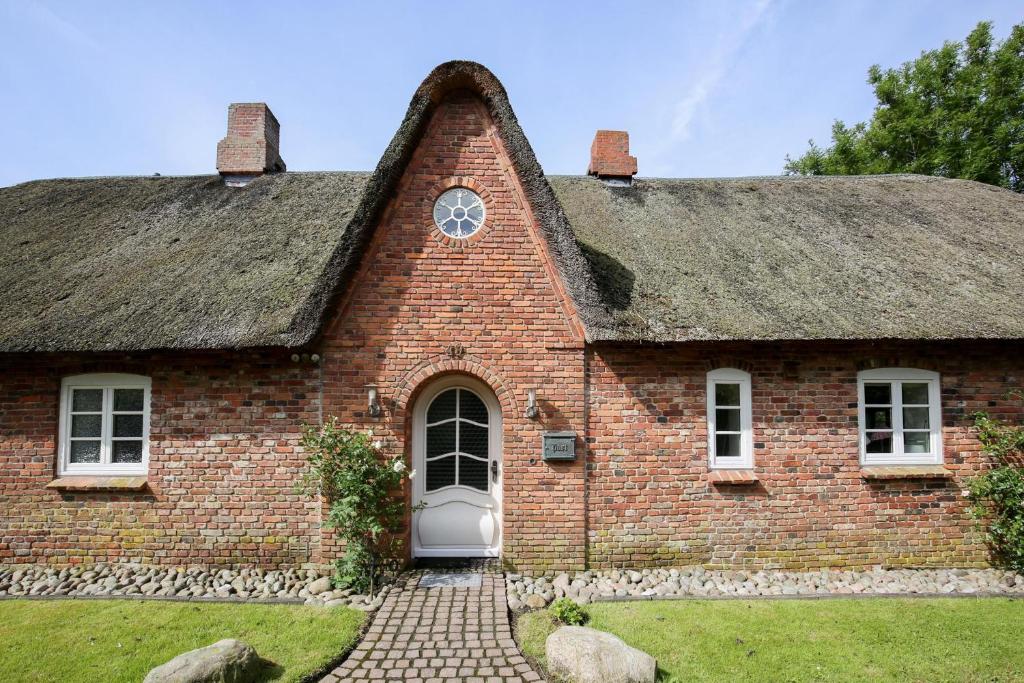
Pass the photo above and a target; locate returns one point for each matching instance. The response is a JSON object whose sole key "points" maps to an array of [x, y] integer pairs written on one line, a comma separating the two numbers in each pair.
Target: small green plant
{"points": [[998, 494], [567, 612], [362, 487]]}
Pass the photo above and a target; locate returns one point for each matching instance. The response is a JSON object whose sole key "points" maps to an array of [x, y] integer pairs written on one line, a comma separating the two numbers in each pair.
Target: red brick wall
{"points": [[224, 459], [225, 427], [495, 296], [651, 502]]}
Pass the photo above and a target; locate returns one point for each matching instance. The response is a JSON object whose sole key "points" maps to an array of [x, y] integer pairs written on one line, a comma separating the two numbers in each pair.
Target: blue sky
{"points": [[716, 88]]}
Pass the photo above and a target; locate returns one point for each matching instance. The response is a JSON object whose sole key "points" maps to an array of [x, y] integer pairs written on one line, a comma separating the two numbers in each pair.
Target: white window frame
{"points": [[896, 377], [746, 459], [108, 383]]}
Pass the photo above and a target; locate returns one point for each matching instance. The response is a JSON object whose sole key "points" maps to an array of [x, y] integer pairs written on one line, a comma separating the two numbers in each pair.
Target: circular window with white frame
{"points": [[459, 212]]}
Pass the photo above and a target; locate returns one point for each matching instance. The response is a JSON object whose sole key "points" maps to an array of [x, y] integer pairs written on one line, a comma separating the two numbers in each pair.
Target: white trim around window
{"points": [[104, 425], [899, 414], [730, 431]]}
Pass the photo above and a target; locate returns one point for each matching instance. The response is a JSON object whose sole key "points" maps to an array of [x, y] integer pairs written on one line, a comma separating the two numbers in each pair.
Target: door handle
{"points": [[494, 471]]}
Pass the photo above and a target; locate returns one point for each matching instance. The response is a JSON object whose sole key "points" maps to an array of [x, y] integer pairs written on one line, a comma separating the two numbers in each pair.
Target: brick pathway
{"points": [[440, 634]]}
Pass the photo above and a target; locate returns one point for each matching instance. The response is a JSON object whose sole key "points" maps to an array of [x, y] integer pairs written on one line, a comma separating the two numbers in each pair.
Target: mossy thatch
{"points": [[868, 257], [149, 263]]}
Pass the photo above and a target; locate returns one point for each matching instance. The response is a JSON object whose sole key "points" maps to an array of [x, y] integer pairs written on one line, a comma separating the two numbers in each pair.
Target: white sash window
{"points": [[730, 431], [104, 424], [900, 417]]}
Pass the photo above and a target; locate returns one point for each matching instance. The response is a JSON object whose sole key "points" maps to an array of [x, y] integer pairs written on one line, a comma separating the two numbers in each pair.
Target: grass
{"points": [[878, 639], [121, 640]]}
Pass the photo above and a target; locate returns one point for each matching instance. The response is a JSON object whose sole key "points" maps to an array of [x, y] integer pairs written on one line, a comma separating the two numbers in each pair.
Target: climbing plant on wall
{"points": [[998, 494], [362, 488]]}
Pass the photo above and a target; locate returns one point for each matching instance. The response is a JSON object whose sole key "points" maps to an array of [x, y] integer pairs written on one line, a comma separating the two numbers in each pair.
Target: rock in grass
{"points": [[226, 661], [586, 655]]}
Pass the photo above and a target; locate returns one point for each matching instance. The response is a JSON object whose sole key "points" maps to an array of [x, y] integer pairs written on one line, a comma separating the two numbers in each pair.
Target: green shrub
{"points": [[998, 494], [567, 612], [350, 471]]}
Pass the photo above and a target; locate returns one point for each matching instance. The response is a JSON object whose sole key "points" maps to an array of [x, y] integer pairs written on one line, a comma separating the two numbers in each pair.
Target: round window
{"points": [[459, 212]]}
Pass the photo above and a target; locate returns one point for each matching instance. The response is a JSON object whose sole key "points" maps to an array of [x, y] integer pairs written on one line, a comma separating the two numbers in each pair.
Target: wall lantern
{"points": [[531, 404], [372, 403]]}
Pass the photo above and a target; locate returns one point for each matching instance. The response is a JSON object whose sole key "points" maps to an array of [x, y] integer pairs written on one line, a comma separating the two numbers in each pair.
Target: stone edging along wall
{"points": [[698, 583]]}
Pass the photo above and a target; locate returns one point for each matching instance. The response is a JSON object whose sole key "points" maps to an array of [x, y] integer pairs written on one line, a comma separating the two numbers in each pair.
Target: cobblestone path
{"points": [[440, 625]]}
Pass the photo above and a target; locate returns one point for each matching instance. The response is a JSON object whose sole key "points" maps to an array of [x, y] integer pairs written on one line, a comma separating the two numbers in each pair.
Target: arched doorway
{"points": [[456, 452]]}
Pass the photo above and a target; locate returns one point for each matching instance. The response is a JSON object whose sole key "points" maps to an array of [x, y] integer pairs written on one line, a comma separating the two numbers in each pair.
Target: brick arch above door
{"points": [[420, 375]]}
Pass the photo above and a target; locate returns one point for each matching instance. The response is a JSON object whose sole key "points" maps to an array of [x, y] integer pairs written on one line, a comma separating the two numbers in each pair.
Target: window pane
{"points": [[473, 439], [443, 407], [916, 393], [85, 451], [440, 439], [877, 393], [727, 394], [473, 473], [86, 425], [126, 451], [440, 472], [87, 400], [727, 420], [471, 407], [127, 425], [878, 418], [916, 442], [727, 446], [128, 400], [915, 418], [879, 442]]}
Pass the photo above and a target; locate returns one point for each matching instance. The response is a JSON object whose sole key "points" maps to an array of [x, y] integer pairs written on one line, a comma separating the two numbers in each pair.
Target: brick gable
{"points": [[492, 306]]}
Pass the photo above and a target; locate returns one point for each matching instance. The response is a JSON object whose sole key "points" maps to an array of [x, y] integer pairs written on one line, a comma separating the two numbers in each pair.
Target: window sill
{"points": [[99, 483], [884, 472], [732, 477]]}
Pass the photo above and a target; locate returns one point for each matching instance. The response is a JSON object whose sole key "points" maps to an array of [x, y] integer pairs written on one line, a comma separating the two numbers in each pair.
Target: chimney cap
{"points": [[609, 156]]}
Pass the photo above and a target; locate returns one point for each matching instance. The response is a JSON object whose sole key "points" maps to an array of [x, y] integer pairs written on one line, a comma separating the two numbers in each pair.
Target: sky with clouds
{"points": [[712, 88]]}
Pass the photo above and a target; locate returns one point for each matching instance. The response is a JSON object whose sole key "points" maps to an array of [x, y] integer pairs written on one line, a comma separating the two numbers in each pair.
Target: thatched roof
{"points": [[150, 263], [173, 263], [867, 257]]}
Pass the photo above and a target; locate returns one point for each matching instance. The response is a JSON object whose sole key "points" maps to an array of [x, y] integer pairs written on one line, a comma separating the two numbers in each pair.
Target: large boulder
{"points": [[226, 661], [585, 655]]}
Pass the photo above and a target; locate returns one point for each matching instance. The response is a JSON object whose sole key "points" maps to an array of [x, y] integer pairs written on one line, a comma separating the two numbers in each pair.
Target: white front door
{"points": [[456, 443]]}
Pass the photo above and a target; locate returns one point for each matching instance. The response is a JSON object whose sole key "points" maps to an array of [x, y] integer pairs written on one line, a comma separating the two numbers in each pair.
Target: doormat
{"points": [[450, 580]]}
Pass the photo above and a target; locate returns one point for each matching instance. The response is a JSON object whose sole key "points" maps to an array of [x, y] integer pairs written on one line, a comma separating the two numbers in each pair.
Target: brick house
{"points": [[585, 371]]}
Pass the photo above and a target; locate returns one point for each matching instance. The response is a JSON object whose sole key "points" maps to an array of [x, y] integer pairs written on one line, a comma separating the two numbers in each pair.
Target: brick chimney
{"points": [[250, 148], [609, 157]]}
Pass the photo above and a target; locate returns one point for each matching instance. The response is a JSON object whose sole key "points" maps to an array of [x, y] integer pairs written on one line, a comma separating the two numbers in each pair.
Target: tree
{"points": [[956, 112]]}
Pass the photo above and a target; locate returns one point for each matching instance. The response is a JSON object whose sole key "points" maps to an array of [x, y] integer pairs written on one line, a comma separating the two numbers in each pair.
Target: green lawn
{"points": [[121, 640], [878, 639]]}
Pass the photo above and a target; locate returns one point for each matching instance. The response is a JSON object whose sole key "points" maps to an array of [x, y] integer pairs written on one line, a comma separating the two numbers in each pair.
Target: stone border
{"points": [[696, 582], [195, 583], [818, 596], [165, 598]]}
